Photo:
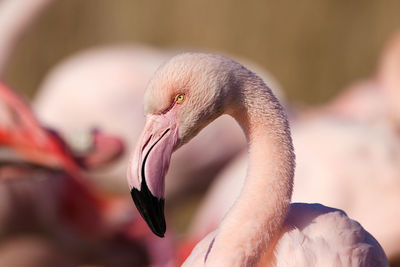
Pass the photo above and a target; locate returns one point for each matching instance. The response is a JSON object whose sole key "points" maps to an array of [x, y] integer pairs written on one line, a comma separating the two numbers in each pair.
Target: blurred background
{"points": [[85, 64], [313, 48]]}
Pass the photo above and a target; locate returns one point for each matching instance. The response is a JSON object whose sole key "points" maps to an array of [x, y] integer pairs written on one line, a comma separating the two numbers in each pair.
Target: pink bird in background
{"points": [[20, 130], [358, 146], [117, 76], [375, 99], [62, 202]]}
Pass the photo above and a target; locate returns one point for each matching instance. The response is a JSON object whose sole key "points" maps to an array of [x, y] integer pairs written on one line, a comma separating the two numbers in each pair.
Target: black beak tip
{"points": [[150, 208], [159, 234]]}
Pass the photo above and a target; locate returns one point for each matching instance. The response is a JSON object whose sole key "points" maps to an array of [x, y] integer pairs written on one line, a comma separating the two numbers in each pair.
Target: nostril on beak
{"points": [[147, 142]]}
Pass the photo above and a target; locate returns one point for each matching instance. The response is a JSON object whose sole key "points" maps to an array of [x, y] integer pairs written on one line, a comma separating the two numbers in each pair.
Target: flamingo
{"points": [[358, 150], [50, 197], [40, 202], [15, 19], [20, 129], [262, 228], [361, 152], [360, 170], [117, 75]]}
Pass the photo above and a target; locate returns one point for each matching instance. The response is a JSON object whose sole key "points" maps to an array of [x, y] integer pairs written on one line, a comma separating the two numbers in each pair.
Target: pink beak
{"points": [[149, 165]]}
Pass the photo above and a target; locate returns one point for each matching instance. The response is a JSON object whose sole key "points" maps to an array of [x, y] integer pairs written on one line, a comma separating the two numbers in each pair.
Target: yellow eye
{"points": [[179, 98]]}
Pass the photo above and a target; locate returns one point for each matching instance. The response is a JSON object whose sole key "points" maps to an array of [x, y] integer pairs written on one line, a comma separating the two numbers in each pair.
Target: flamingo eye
{"points": [[179, 98]]}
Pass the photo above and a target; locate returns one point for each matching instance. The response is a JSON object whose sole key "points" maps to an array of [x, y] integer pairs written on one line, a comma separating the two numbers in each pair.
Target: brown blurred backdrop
{"points": [[314, 48]]}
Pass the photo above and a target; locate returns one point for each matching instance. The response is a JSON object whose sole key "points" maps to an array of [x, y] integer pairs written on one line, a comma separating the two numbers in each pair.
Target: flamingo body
{"points": [[353, 143], [308, 239], [261, 228], [60, 202]]}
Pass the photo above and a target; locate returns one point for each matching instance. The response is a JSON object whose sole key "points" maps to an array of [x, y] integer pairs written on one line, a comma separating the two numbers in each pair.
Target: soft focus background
{"points": [[314, 48]]}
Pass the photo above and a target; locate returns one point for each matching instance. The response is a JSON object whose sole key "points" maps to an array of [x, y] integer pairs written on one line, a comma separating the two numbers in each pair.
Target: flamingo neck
{"points": [[253, 224], [15, 18]]}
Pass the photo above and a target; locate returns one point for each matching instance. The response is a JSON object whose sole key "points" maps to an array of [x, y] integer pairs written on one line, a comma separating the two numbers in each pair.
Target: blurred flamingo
{"points": [[20, 130], [358, 146], [62, 200], [117, 75], [375, 99], [262, 228]]}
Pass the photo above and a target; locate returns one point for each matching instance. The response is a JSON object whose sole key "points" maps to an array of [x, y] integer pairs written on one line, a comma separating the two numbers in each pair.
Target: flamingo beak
{"points": [[148, 167]]}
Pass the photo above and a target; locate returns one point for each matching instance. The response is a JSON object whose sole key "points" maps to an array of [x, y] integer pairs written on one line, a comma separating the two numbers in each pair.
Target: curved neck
{"points": [[254, 222], [15, 17]]}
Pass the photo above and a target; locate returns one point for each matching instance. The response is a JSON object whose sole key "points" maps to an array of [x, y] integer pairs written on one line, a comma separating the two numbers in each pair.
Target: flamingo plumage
{"points": [[262, 227], [117, 75], [358, 147], [61, 200], [20, 129]]}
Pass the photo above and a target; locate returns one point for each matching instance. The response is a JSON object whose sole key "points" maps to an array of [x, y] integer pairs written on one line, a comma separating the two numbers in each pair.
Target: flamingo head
{"points": [[185, 94]]}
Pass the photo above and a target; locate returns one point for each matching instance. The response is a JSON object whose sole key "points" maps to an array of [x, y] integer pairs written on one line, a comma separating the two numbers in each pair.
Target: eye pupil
{"points": [[180, 98]]}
